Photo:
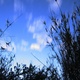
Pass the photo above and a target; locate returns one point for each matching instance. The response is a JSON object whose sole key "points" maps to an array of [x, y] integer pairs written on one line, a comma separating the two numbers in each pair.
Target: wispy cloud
{"points": [[36, 26], [10, 48], [18, 6], [22, 45], [38, 31], [35, 46]]}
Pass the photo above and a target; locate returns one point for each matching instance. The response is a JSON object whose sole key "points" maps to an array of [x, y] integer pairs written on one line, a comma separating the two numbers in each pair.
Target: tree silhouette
{"points": [[65, 35]]}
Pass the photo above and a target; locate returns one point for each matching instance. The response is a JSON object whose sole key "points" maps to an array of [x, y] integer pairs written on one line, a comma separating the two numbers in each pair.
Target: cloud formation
{"points": [[35, 46], [10, 48], [18, 6], [22, 45], [39, 34]]}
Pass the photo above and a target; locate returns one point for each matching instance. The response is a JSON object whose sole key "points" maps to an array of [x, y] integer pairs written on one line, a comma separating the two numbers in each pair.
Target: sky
{"points": [[27, 33]]}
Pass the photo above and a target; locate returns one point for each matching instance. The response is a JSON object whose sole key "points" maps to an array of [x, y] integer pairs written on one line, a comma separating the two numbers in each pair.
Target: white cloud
{"points": [[18, 6], [35, 46], [2, 44], [36, 26], [39, 34], [31, 29], [29, 18], [41, 39], [53, 4], [22, 45], [10, 48]]}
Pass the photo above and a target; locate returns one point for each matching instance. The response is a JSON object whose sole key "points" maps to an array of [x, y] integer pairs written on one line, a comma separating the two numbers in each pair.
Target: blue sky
{"points": [[27, 33]]}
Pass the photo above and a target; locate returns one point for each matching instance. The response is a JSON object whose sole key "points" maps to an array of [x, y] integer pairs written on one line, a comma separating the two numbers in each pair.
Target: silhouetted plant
{"points": [[5, 66], [6, 57], [65, 35]]}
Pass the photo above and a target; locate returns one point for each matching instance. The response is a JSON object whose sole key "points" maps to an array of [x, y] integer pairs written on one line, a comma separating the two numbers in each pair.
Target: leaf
{"points": [[56, 0], [2, 48], [44, 23], [8, 43]]}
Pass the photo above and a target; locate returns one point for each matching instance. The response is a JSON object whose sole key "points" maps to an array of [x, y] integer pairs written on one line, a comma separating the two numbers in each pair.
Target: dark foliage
{"points": [[24, 72], [65, 34]]}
